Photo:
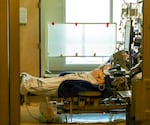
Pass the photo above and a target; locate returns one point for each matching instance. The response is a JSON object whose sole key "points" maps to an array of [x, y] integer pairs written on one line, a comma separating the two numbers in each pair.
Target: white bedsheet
{"points": [[49, 86]]}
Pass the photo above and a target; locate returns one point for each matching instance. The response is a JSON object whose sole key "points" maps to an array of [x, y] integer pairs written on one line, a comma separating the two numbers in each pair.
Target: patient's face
{"points": [[99, 75]]}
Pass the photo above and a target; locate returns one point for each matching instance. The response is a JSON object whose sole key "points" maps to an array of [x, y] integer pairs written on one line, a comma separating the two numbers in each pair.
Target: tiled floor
{"points": [[30, 115]]}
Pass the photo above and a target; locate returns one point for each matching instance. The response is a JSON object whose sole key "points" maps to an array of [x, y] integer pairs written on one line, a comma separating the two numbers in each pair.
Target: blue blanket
{"points": [[71, 88]]}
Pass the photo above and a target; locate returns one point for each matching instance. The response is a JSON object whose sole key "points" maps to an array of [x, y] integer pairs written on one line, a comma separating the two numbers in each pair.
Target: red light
{"points": [[107, 24], [53, 23], [76, 24]]}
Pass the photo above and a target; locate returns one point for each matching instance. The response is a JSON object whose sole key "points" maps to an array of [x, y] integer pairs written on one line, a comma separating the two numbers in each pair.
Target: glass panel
{"points": [[81, 39], [100, 39], [64, 39]]}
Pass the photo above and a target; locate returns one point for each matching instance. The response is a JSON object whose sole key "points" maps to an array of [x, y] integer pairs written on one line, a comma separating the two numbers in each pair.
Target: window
{"points": [[81, 39], [117, 8], [74, 46], [90, 11], [78, 44], [87, 11]]}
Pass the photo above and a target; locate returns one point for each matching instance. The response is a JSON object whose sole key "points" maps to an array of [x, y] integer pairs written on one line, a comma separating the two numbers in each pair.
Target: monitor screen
{"points": [[128, 36]]}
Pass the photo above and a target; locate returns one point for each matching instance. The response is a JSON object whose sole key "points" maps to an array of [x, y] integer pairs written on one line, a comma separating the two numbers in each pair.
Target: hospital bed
{"points": [[85, 98]]}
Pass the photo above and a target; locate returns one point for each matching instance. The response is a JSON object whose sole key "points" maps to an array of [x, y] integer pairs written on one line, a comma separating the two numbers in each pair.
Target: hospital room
{"points": [[85, 54], [81, 62]]}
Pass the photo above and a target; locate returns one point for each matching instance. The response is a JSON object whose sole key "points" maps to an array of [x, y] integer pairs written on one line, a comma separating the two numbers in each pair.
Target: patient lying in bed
{"points": [[93, 79]]}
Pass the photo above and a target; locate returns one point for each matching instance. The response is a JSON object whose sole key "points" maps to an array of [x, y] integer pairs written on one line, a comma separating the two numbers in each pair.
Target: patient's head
{"points": [[99, 74]]}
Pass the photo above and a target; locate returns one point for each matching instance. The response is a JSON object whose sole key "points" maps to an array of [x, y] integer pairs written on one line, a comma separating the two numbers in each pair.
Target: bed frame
{"points": [[86, 102]]}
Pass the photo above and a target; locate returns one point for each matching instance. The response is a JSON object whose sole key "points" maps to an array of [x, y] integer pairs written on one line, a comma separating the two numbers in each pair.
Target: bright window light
{"points": [[81, 40], [87, 11], [86, 60], [117, 9]]}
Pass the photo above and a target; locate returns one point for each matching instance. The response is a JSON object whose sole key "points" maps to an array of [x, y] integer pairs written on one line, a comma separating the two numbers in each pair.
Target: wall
{"points": [[29, 39], [51, 11]]}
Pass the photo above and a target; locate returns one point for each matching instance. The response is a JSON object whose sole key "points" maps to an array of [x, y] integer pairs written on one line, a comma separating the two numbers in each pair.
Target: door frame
{"points": [[9, 64]]}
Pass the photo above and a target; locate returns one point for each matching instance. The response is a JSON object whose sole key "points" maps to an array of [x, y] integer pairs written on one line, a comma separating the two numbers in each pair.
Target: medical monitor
{"points": [[128, 39]]}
